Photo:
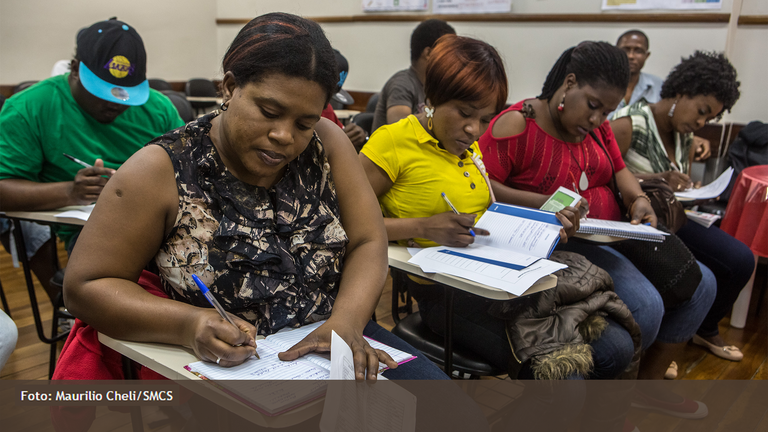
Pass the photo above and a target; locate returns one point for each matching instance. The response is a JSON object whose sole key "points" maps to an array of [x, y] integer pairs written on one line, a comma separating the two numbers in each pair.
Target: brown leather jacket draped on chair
{"points": [[553, 328]]}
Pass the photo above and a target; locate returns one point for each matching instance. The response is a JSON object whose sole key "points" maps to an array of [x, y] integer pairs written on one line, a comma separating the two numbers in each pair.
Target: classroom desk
{"points": [[398, 258], [169, 361], [44, 217], [345, 115]]}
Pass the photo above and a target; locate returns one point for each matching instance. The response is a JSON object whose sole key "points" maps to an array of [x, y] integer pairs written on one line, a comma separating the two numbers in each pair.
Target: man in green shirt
{"points": [[101, 113]]}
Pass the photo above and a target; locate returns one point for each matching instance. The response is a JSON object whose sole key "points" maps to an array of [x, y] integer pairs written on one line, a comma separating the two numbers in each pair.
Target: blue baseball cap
{"points": [[113, 63]]}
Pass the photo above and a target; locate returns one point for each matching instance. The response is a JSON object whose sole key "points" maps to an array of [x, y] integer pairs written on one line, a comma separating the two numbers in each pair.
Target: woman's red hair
{"points": [[465, 69]]}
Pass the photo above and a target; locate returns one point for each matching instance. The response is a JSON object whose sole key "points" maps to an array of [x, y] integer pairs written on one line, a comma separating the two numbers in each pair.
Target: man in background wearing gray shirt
{"points": [[403, 94]]}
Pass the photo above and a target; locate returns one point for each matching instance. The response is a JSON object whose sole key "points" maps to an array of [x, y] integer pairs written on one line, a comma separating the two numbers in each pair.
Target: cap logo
{"points": [[119, 67]]}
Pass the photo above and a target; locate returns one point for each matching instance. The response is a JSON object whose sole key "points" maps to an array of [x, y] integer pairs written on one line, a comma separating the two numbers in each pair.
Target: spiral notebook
{"points": [[621, 229]]}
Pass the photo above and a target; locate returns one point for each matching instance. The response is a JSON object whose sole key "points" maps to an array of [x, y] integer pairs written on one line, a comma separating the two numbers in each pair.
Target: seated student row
{"points": [[585, 85], [704, 75], [575, 219]]}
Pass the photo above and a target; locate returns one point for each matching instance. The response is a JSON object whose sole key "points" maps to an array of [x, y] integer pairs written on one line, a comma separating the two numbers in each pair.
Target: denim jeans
{"points": [[35, 235], [731, 261], [669, 326], [420, 368]]}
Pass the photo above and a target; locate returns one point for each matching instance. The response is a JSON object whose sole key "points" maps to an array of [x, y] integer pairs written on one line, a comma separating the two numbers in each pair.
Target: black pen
{"points": [[77, 161]]}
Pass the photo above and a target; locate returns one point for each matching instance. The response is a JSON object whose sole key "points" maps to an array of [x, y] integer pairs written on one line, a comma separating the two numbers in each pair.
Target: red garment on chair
{"points": [[85, 358], [746, 217]]}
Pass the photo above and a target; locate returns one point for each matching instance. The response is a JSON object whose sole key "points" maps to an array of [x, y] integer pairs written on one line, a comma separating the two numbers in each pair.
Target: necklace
{"points": [[583, 180]]}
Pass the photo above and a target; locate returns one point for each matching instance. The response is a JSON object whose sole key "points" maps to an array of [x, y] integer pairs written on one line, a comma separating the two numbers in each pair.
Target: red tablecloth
{"points": [[746, 217]]}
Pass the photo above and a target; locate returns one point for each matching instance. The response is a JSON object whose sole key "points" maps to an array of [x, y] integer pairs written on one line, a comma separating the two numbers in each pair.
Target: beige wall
{"points": [[179, 36], [183, 40]]}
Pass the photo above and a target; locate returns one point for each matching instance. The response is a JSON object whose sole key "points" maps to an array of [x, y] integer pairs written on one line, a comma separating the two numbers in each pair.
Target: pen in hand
{"points": [[212, 300], [77, 161], [471, 232]]}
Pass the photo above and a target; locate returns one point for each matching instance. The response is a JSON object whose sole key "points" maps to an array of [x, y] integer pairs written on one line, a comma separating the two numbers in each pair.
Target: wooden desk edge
{"points": [[398, 257], [169, 361], [48, 216]]}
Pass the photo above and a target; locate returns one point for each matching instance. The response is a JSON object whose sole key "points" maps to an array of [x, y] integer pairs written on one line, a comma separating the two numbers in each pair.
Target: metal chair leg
{"points": [[21, 248]]}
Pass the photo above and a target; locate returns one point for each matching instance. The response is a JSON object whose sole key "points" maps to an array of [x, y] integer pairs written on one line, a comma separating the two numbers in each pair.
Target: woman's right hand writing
{"points": [[677, 181], [451, 229], [213, 338]]}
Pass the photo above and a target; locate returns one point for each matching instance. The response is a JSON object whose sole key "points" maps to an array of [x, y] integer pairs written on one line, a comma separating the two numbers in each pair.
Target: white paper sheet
{"points": [[83, 213], [342, 360], [712, 190], [512, 281]]}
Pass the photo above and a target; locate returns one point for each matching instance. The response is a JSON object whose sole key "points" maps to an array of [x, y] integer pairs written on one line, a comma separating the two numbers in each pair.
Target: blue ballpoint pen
{"points": [[472, 233], [212, 300]]}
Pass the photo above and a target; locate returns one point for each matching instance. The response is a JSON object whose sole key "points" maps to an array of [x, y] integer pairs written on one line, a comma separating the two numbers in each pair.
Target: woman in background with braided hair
{"points": [[561, 138], [658, 143]]}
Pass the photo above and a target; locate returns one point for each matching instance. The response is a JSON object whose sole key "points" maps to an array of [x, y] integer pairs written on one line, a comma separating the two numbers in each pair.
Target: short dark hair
{"points": [[704, 73], [466, 69], [282, 43], [634, 32], [593, 63], [426, 34]]}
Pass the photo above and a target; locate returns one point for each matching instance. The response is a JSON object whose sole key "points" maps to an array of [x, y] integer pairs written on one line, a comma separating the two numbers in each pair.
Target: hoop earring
{"points": [[224, 107], [429, 112], [672, 110]]}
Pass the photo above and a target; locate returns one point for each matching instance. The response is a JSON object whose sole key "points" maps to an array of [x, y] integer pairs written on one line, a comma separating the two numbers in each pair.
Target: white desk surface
{"points": [[205, 99], [47, 216], [169, 361], [399, 256], [345, 114]]}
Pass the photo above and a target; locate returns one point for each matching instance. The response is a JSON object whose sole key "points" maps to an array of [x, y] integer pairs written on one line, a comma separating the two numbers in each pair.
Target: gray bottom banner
{"points": [[478, 405]]}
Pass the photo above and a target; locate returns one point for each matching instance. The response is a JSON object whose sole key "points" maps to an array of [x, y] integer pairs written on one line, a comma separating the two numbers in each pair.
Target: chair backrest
{"points": [[182, 105], [365, 121], [2, 101], [371, 105], [201, 87], [23, 85], [159, 84]]}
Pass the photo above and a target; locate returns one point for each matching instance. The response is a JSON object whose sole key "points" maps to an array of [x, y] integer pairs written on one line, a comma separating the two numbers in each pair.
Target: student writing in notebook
{"points": [[658, 143], [542, 143], [264, 201]]}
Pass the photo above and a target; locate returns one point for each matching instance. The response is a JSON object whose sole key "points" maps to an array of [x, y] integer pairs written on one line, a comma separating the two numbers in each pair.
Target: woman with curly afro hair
{"points": [[657, 141]]}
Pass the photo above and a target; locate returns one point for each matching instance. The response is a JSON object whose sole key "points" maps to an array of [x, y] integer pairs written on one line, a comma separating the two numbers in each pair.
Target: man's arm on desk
{"points": [[26, 195]]}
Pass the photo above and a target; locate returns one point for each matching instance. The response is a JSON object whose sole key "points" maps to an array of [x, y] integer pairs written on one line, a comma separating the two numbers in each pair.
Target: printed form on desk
{"points": [[512, 258], [273, 386]]}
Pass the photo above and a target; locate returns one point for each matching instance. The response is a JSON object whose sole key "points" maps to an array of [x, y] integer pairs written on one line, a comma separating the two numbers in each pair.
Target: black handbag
{"points": [[670, 266]]}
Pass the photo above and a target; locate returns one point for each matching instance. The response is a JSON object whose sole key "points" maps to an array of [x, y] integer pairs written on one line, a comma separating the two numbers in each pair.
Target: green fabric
{"points": [[646, 152], [40, 124]]}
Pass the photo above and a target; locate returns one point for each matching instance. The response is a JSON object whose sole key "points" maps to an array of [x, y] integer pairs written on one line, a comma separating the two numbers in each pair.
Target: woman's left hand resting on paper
{"points": [[366, 359], [138, 209]]}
